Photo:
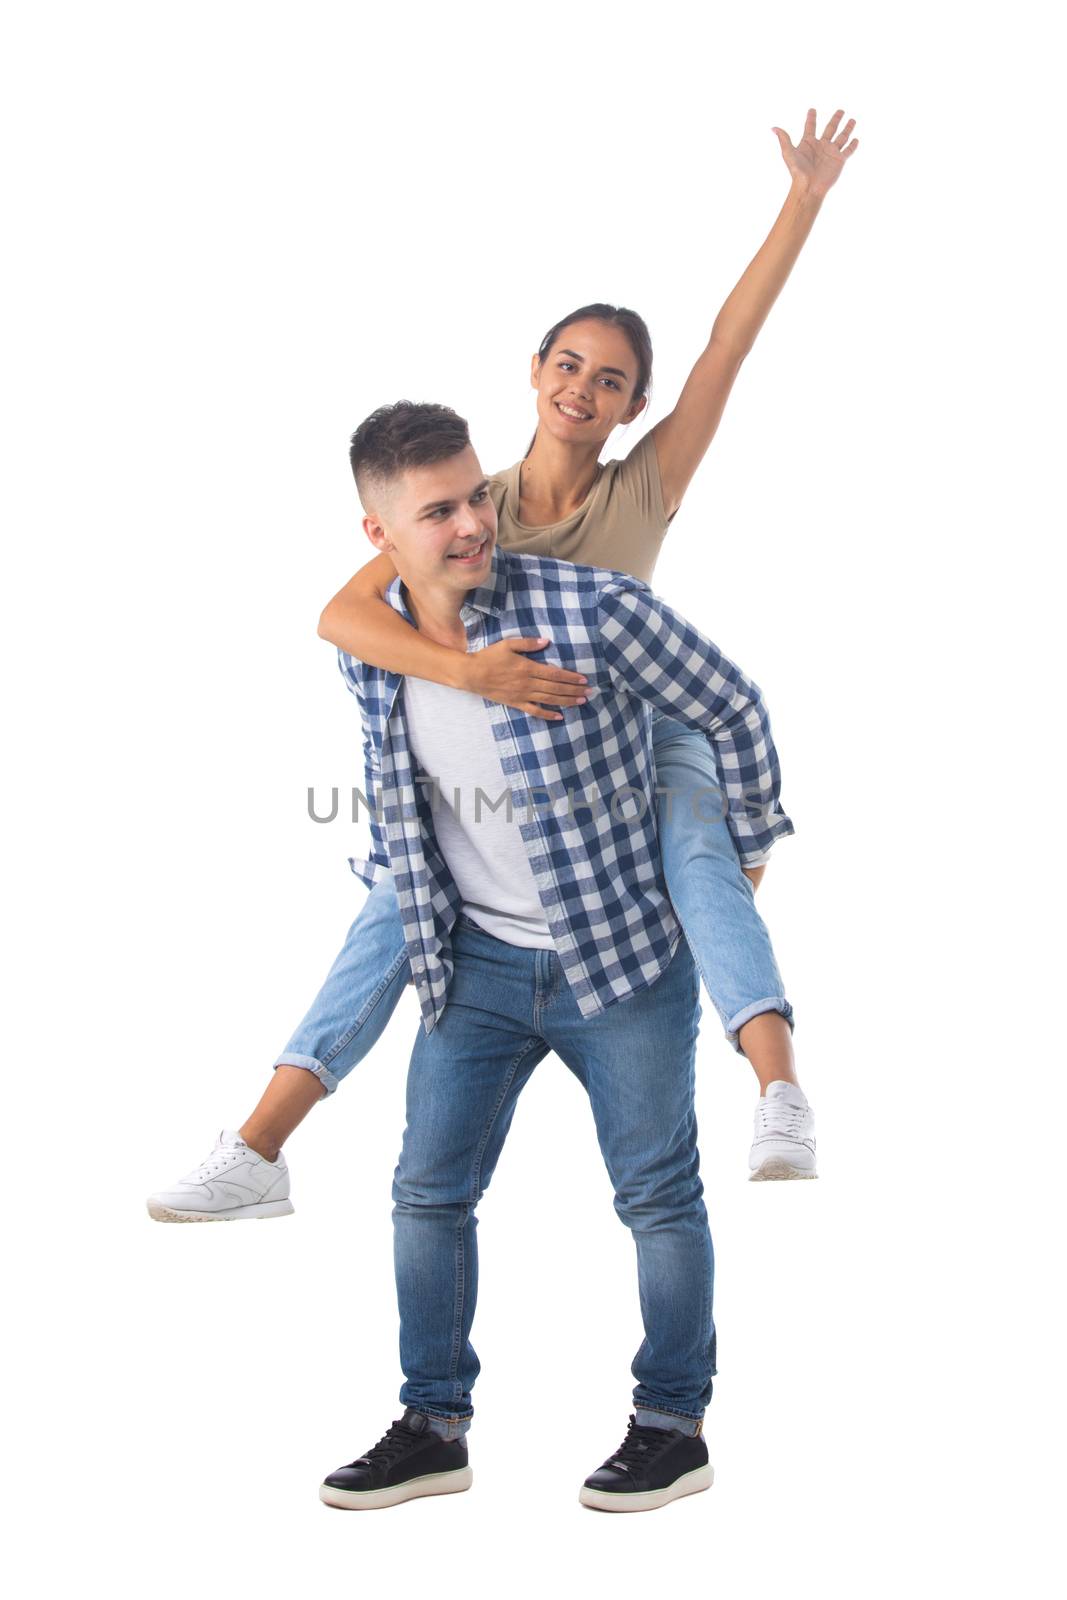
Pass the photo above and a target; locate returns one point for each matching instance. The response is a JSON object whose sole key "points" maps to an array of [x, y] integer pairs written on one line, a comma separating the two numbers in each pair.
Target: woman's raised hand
{"points": [[817, 163], [502, 672]]}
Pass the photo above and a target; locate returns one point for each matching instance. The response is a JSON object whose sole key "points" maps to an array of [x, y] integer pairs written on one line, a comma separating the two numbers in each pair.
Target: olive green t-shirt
{"points": [[620, 525]]}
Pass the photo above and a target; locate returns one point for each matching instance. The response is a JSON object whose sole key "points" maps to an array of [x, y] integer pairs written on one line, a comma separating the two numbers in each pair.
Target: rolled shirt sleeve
{"points": [[656, 654]]}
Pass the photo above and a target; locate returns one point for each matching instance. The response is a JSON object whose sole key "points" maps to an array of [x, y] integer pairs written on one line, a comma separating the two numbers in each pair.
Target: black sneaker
{"points": [[650, 1467], [410, 1460]]}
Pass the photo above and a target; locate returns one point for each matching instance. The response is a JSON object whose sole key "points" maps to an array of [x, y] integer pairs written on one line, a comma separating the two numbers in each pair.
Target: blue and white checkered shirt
{"points": [[585, 785]]}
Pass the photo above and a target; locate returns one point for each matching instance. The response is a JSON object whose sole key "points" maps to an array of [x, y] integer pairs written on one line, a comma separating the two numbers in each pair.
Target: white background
{"points": [[232, 231]]}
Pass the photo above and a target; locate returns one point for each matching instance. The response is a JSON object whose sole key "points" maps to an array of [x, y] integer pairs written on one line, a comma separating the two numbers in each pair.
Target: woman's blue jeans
{"points": [[711, 895], [508, 1007]]}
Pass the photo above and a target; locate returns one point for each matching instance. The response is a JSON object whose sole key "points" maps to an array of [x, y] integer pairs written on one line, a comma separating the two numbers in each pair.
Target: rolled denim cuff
{"points": [[667, 1419], [451, 1427], [773, 1003], [324, 1075]]}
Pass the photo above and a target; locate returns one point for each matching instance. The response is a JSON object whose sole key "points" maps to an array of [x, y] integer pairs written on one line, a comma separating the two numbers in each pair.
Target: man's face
{"points": [[439, 525]]}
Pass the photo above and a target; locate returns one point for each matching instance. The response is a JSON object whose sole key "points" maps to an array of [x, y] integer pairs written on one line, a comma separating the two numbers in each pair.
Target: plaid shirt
{"points": [[584, 785]]}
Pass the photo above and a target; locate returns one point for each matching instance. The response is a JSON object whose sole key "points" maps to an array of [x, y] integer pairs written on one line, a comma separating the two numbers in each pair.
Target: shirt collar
{"points": [[490, 596]]}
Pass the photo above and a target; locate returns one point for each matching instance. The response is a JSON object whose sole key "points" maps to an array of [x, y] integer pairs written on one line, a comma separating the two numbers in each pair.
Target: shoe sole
{"points": [[266, 1208], [414, 1489], [775, 1167], [691, 1483]]}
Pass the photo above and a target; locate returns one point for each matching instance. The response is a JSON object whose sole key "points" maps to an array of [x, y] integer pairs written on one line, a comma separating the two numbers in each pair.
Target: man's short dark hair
{"points": [[394, 438]]}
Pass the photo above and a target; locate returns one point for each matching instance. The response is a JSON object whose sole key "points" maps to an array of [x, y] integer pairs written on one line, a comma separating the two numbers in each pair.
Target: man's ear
{"points": [[377, 534]]}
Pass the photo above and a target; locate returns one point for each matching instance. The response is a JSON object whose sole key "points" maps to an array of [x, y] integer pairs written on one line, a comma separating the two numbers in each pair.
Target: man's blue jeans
{"points": [[507, 1008], [711, 895]]}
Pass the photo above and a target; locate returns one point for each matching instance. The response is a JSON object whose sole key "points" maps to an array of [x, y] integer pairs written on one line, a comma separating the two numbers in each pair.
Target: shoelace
{"points": [[391, 1446], [639, 1445], [214, 1163], [778, 1116]]}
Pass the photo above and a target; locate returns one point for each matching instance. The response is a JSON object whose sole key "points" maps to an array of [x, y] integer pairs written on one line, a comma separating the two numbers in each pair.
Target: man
{"points": [[546, 930]]}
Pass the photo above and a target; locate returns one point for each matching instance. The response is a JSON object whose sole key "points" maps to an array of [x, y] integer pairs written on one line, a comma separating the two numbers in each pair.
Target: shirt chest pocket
{"points": [[577, 658]]}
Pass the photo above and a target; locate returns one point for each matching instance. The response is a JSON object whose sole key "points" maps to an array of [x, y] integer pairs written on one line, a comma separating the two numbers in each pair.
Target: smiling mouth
{"points": [[572, 413], [468, 559]]}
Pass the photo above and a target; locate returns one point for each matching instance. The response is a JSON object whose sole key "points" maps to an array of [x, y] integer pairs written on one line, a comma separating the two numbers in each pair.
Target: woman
{"points": [[591, 374]]}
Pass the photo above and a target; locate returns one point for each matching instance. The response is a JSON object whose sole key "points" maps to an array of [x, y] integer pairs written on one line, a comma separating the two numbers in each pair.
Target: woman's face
{"points": [[586, 382]]}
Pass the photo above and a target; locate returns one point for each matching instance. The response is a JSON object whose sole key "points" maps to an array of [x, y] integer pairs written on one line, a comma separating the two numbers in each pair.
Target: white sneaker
{"points": [[233, 1182], [784, 1142]]}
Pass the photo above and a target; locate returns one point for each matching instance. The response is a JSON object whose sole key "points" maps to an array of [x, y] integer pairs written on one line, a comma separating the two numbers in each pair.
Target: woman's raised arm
{"points": [[683, 437], [360, 620]]}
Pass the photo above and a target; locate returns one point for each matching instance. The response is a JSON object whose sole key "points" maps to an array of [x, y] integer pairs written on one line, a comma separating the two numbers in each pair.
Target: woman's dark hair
{"points": [[632, 325], [406, 434]]}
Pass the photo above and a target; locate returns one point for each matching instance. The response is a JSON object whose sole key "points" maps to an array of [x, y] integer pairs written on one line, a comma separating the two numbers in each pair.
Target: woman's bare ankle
{"points": [[286, 1101], [767, 1042], [261, 1143]]}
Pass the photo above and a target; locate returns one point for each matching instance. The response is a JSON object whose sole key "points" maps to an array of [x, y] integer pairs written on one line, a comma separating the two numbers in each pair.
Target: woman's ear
{"points": [[535, 368], [636, 409]]}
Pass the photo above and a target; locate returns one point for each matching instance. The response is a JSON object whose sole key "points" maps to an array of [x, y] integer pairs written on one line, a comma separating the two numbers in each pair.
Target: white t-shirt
{"points": [[451, 738]]}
